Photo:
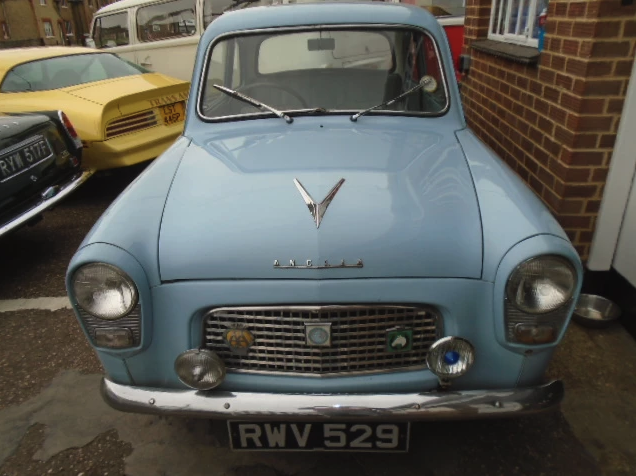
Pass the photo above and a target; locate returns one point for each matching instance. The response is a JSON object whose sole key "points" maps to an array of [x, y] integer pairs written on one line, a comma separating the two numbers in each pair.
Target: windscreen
{"points": [[333, 69]]}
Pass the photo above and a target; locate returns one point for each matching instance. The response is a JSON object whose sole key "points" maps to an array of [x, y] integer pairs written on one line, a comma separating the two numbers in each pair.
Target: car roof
{"points": [[14, 56]]}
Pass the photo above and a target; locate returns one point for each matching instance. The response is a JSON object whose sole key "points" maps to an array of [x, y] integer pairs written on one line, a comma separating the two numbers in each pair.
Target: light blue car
{"points": [[328, 252]]}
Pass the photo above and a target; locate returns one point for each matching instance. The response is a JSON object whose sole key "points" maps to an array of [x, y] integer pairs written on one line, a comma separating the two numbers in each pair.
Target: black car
{"points": [[40, 156]]}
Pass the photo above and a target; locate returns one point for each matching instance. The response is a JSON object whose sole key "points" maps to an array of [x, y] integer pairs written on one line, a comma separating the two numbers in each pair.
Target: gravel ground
{"points": [[41, 344], [104, 456], [36, 257]]}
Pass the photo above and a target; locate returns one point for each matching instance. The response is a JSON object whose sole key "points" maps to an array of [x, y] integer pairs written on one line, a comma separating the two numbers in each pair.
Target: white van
{"points": [[159, 35], [162, 35]]}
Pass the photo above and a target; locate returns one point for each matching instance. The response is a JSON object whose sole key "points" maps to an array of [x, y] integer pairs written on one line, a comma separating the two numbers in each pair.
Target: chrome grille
{"points": [[131, 123], [132, 321], [358, 338]]}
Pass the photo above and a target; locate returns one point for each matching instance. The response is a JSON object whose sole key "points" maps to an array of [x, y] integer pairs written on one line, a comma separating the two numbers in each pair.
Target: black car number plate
{"points": [[321, 436], [23, 157]]}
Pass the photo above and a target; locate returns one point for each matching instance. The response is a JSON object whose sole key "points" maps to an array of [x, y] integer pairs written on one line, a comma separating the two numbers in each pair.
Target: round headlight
{"points": [[104, 291], [450, 357], [200, 369], [541, 284]]}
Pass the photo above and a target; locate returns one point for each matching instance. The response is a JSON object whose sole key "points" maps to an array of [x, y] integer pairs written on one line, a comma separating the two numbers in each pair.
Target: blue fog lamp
{"points": [[450, 357]]}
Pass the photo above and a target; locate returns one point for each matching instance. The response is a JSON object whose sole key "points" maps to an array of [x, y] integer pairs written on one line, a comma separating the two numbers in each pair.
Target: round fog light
{"points": [[200, 369], [450, 357]]}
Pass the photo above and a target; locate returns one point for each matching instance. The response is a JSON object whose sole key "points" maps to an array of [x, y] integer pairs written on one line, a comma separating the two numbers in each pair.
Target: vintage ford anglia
{"points": [[327, 253]]}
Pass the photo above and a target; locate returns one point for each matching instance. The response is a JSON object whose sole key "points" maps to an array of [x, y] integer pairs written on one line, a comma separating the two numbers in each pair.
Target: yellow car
{"points": [[123, 113]]}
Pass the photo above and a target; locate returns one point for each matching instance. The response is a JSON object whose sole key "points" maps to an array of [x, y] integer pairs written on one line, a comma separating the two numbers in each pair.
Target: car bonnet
{"points": [[407, 206]]}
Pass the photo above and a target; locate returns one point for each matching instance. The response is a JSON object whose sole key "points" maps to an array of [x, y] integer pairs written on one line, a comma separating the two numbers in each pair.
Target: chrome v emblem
{"points": [[318, 210]]}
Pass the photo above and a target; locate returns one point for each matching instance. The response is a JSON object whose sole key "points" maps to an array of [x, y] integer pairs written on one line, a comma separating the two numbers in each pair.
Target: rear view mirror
{"points": [[321, 44]]}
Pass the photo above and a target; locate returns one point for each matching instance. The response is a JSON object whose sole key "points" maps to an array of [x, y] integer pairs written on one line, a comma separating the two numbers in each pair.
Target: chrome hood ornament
{"points": [[318, 210]]}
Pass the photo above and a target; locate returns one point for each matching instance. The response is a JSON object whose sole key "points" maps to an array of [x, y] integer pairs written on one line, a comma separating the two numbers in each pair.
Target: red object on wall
{"points": [[454, 28]]}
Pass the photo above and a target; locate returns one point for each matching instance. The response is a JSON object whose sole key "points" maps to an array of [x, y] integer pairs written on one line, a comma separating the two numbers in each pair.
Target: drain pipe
{"points": [[35, 22], [6, 18]]}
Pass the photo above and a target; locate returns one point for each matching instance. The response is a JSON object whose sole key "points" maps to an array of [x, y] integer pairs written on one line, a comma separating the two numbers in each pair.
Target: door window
{"points": [[166, 20], [111, 30], [212, 9]]}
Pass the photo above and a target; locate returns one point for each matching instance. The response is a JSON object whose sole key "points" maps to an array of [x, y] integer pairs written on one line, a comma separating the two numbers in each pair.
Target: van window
{"points": [[166, 20], [111, 30], [212, 9]]}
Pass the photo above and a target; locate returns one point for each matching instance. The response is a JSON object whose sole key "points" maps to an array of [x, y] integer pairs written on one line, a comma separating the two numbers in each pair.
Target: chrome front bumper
{"points": [[442, 405], [46, 203]]}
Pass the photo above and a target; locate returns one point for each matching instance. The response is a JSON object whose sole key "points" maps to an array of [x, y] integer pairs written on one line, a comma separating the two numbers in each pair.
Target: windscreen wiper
{"points": [[426, 83], [253, 102]]}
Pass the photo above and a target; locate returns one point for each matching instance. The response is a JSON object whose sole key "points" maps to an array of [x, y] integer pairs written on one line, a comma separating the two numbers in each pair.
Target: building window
{"points": [[48, 28], [43, 2], [68, 26], [516, 21], [63, 4], [5, 31]]}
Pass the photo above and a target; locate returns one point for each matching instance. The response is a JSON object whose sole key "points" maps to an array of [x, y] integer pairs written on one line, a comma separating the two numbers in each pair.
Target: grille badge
{"points": [[399, 340], [318, 334], [318, 210], [239, 340]]}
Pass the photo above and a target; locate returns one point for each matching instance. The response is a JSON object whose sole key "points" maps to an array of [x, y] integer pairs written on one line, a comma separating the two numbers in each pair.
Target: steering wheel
{"points": [[280, 87]]}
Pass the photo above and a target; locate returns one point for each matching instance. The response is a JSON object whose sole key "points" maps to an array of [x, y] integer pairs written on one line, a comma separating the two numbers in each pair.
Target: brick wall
{"points": [[555, 122], [20, 18], [25, 20]]}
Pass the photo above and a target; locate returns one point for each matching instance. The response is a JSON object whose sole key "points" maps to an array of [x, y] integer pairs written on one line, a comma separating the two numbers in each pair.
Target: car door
{"points": [[167, 36]]}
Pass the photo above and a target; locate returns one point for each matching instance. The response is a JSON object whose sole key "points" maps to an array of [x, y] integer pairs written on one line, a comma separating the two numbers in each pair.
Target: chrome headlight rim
{"points": [[451, 344], [509, 295], [122, 274], [219, 372]]}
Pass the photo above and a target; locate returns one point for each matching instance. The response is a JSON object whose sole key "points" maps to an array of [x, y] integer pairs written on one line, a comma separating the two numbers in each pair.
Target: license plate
{"points": [[23, 158], [173, 113], [322, 436]]}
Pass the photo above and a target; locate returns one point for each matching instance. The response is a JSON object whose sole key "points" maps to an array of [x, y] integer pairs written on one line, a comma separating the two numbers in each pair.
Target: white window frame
{"points": [[50, 23], [43, 3], [68, 24], [63, 3], [518, 37]]}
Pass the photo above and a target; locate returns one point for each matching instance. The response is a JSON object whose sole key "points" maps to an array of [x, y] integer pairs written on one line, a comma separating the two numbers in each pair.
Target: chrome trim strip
{"points": [[357, 373], [355, 26], [310, 265], [330, 307], [42, 206], [428, 406]]}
